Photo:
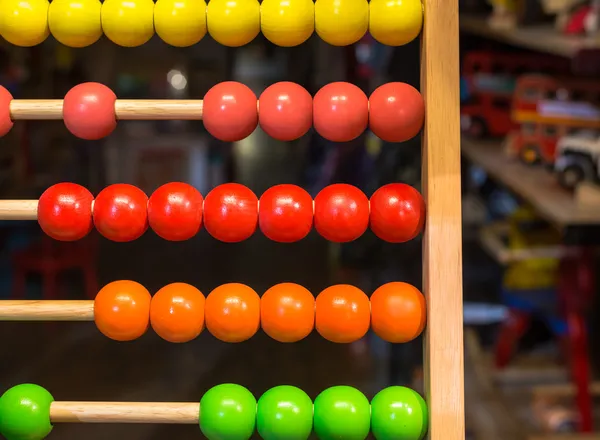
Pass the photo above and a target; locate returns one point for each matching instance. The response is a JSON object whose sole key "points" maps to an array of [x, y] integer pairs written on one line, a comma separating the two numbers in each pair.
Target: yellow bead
{"points": [[24, 22], [128, 23], [75, 23], [287, 22], [395, 22], [180, 23], [341, 22], [233, 22]]}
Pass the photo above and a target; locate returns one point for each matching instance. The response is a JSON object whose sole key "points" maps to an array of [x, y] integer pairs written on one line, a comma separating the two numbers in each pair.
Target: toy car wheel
{"points": [[530, 155], [571, 176]]}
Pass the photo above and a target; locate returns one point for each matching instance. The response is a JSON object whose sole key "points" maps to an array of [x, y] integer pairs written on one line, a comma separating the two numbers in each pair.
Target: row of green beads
{"points": [[230, 412]]}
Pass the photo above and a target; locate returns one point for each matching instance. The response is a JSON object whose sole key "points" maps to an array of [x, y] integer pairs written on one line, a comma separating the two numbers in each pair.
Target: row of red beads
{"points": [[340, 111], [231, 212]]}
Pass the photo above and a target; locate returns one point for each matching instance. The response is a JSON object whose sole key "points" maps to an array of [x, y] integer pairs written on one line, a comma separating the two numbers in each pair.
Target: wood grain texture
{"points": [[442, 245], [124, 412], [51, 310]]}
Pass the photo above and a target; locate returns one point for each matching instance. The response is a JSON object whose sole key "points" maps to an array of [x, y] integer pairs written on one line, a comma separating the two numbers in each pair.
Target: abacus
{"points": [[230, 111]]}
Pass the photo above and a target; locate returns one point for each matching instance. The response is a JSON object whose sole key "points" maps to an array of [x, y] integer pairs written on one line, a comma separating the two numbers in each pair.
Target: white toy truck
{"points": [[578, 158]]}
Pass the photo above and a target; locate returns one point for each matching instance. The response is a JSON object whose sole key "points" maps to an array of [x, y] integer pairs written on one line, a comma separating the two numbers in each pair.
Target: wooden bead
{"points": [[6, 122], [341, 213], [285, 111], [229, 111], [180, 23], [128, 23], [231, 212], [24, 22], [65, 211], [285, 213], [233, 23], [341, 22], [340, 112], [175, 211], [75, 23], [177, 312], [396, 22], [342, 313], [398, 312], [89, 111], [120, 212], [232, 312], [397, 213], [287, 312], [122, 310], [287, 23]]}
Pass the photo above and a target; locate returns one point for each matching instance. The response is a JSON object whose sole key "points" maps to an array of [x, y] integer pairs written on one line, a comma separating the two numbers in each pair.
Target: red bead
{"points": [[65, 211], [396, 112], [397, 213], [231, 212], [89, 111], [341, 213], [229, 111], [285, 111], [175, 211], [6, 122], [120, 212], [285, 213], [340, 112]]}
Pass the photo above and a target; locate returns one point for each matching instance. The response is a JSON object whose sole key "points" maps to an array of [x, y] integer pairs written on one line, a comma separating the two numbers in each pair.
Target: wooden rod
{"points": [[54, 310], [125, 412], [18, 209]]}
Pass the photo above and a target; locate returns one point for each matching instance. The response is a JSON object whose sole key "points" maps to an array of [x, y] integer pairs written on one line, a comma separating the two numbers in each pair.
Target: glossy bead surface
{"points": [[398, 312], [399, 413], [341, 213], [284, 412], [342, 412], [228, 412], [122, 310], [25, 413], [396, 112], [24, 22], [285, 213], [341, 22], [232, 312], [6, 122], [233, 23], [120, 212], [65, 211], [89, 111], [340, 112], [395, 22], [177, 312], [287, 23], [231, 212], [342, 313], [229, 111], [180, 23], [175, 211], [397, 213], [75, 23], [287, 312], [128, 23], [285, 111]]}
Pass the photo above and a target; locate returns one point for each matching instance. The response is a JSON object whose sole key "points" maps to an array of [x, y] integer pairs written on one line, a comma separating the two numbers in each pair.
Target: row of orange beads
{"points": [[234, 312]]}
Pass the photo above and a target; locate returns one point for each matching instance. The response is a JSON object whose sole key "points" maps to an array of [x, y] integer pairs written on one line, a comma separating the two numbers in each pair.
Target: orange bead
{"points": [[287, 312], [342, 313], [398, 312], [232, 312], [177, 312], [122, 310]]}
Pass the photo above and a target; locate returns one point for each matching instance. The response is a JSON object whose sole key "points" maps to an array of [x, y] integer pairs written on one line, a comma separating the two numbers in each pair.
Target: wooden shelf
{"points": [[543, 38], [535, 185]]}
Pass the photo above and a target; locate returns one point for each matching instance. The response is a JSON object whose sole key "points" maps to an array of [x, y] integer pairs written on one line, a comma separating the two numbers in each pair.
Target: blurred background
{"points": [[531, 214]]}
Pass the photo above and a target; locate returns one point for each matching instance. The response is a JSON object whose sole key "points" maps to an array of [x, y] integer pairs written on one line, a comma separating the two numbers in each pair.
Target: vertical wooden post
{"points": [[442, 245]]}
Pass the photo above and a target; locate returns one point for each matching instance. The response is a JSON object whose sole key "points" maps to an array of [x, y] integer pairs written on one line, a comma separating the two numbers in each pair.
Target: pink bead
{"points": [[285, 111], [340, 112], [396, 112], [89, 111], [5, 122], [229, 111]]}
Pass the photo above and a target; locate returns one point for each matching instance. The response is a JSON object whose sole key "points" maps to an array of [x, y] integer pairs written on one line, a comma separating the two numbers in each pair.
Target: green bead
{"points": [[284, 413], [399, 413], [228, 412], [25, 413], [342, 413]]}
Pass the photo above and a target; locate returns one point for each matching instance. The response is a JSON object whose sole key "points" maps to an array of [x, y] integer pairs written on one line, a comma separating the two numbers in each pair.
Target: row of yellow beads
{"points": [[130, 23]]}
